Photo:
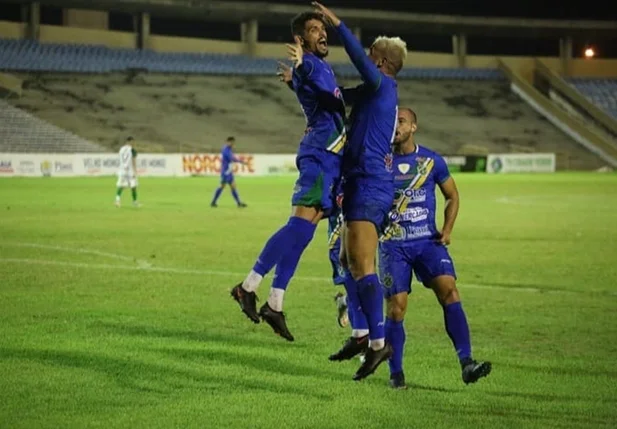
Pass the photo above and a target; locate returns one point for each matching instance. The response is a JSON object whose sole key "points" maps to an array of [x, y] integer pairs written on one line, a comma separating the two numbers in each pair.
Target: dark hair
{"points": [[129, 139], [299, 22], [230, 139]]}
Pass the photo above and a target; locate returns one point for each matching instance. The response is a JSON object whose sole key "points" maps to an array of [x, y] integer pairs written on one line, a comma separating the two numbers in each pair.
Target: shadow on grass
{"points": [[151, 377], [284, 365], [242, 337]]}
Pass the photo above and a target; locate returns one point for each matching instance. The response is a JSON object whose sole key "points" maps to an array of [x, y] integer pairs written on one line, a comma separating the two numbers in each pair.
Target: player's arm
{"points": [[368, 71], [450, 192], [134, 160], [351, 95]]}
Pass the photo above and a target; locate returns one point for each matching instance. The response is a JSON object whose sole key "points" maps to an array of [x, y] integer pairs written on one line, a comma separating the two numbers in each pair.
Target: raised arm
{"points": [[368, 71]]}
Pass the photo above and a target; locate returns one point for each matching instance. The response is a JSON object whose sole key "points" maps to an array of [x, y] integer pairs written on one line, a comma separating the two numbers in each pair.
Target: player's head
{"points": [[407, 125], [310, 27], [388, 54], [129, 140], [230, 141]]}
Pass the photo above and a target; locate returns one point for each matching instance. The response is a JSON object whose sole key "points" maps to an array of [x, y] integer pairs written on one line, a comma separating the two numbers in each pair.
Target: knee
{"points": [[397, 308], [447, 293]]}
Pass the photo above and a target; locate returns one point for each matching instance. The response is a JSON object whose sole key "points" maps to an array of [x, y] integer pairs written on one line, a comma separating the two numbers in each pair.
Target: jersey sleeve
{"points": [[368, 71], [351, 95], [306, 69], [441, 170], [134, 153]]}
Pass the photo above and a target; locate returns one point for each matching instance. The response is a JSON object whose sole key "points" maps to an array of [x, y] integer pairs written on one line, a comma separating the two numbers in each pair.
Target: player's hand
{"points": [[444, 238], [295, 51], [327, 13], [283, 72]]}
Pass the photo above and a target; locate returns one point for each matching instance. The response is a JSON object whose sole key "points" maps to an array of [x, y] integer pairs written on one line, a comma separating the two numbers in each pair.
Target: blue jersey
{"points": [[322, 103], [227, 160], [373, 117], [416, 176]]}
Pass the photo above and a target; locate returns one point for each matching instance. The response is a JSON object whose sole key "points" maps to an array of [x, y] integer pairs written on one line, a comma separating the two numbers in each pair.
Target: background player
{"points": [[412, 243], [227, 177], [367, 171], [318, 160], [127, 173]]}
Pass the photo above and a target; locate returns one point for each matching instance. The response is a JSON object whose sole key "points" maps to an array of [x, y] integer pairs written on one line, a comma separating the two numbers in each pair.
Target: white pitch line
{"points": [[80, 251], [241, 275]]}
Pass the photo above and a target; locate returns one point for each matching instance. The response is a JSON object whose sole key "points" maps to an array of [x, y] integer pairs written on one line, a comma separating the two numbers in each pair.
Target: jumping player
{"points": [[318, 160], [368, 182]]}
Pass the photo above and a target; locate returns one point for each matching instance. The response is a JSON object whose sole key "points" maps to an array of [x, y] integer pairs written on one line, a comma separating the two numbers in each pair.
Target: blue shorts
{"points": [[227, 179], [368, 200], [426, 258], [320, 175]]}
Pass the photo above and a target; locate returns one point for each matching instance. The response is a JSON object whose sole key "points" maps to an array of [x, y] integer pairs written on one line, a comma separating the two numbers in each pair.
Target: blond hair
{"points": [[394, 49]]}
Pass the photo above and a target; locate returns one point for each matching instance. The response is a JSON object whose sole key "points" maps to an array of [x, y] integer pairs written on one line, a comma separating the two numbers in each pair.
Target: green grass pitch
{"points": [[122, 317]]}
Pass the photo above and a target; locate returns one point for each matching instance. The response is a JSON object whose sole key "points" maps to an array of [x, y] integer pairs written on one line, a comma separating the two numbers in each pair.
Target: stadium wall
{"points": [[117, 39], [209, 164]]}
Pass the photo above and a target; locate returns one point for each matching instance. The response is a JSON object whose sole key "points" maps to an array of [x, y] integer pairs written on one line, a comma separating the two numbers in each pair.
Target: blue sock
{"points": [[286, 267], [281, 242], [371, 301], [395, 335], [235, 195], [457, 329], [357, 319], [217, 194]]}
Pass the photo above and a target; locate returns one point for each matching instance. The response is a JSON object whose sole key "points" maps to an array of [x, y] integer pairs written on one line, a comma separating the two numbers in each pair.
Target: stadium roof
{"points": [[268, 13]]}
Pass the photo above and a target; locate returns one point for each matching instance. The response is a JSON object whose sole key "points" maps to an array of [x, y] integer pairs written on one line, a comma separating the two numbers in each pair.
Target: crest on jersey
{"points": [[404, 168], [388, 280], [422, 164], [388, 162]]}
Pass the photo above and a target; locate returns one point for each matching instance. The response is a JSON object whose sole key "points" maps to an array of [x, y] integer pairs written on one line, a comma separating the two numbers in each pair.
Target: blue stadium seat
{"points": [[25, 55], [600, 91]]}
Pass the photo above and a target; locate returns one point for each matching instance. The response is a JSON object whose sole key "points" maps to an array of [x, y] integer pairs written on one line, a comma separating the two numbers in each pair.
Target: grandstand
{"points": [[186, 94], [177, 102], [602, 92]]}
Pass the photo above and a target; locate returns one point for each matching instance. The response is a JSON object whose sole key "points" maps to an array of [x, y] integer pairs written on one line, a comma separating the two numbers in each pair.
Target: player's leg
{"points": [[338, 272], [322, 171], [234, 193], [366, 206], [285, 247], [395, 273], [357, 343], [218, 191], [133, 185], [119, 189], [435, 264]]}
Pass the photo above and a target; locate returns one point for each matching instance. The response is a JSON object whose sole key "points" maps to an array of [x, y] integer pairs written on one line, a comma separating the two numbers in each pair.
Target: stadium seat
{"points": [[602, 92], [28, 55]]}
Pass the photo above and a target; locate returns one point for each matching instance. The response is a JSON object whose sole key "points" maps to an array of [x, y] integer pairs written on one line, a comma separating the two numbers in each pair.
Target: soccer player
{"points": [[227, 176], [368, 181], [335, 224], [127, 173], [412, 243], [319, 160]]}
